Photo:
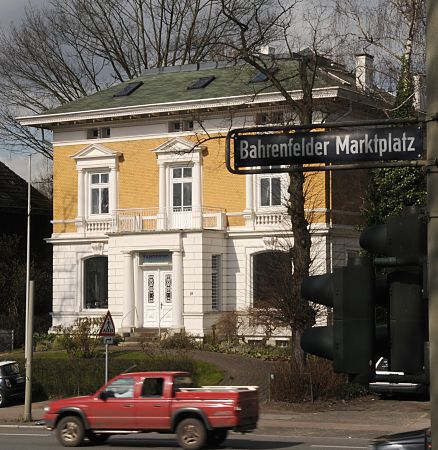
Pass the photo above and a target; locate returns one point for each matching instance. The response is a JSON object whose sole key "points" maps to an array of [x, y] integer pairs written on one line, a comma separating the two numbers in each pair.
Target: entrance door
{"points": [[157, 288]]}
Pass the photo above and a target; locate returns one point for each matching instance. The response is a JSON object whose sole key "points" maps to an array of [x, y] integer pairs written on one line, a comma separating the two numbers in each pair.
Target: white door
{"points": [[181, 209], [157, 298]]}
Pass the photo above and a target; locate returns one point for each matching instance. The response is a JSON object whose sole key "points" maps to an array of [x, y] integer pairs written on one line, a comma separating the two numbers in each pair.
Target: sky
{"points": [[11, 11]]}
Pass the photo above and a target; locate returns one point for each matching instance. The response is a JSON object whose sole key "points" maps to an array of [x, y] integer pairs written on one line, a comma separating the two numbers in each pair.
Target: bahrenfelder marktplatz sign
{"points": [[376, 144]]}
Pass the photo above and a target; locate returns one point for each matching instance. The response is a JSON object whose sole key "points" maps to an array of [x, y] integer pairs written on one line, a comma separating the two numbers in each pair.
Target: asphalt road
{"points": [[13, 438]]}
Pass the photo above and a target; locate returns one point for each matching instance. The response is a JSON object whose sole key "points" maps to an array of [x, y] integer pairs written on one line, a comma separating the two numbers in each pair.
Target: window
{"points": [[152, 387], [273, 117], [99, 193], [182, 189], [98, 133], [181, 125], [261, 77], [215, 282], [128, 89], [201, 82], [121, 388], [271, 278], [96, 282], [270, 191]]}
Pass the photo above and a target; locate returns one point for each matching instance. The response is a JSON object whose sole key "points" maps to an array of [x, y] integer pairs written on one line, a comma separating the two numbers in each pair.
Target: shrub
{"points": [[179, 341], [316, 381], [79, 339], [61, 377]]}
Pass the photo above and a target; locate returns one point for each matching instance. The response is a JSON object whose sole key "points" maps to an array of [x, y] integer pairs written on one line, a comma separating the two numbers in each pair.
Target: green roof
{"points": [[170, 85]]}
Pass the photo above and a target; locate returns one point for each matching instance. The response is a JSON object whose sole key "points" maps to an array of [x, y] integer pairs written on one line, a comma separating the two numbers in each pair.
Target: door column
{"points": [[128, 289], [178, 290]]}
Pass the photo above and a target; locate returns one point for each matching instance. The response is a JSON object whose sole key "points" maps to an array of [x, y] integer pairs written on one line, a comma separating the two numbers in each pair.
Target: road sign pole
{"points": [[106, 363], [432, 202]]}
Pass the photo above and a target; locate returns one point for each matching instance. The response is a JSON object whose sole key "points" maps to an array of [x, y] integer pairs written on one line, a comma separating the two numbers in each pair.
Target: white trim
{"points": [[156, 108]]}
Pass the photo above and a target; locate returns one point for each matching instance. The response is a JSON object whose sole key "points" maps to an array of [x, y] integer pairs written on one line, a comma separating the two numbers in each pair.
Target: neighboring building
{"points": [[149, 224], [13, 212]]}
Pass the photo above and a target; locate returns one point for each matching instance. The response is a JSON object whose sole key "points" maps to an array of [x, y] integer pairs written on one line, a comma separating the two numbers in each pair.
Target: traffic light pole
{"points": [[432, 202]]}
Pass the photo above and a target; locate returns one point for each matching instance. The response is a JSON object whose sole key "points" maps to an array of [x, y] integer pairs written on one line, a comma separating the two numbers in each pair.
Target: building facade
{"points": [[149, 224]]}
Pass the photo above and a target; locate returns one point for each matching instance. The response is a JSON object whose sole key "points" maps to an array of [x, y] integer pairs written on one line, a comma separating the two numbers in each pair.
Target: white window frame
{"points": [[94, 159], [100, 187], [258, 191], [181, 181], [179, 152]]}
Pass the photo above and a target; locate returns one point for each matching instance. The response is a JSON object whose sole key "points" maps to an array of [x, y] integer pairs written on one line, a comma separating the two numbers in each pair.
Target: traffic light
{"points": [[350, 341], [401, 249], [379, 303]]}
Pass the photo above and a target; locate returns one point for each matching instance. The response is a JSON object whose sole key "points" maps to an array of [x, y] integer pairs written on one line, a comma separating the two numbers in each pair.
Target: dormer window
{"points": [[98, 133]]}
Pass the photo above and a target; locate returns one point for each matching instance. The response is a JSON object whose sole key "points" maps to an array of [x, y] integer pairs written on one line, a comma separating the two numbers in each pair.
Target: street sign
{"points": [[108, 340], [107, 328], [359, 145]]}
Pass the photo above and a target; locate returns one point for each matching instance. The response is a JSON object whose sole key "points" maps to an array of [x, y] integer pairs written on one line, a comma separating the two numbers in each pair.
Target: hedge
{"points": [[64, 377]]}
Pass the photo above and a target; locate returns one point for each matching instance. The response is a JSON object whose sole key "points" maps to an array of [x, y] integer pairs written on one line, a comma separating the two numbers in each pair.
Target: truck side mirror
{"points": [[103, 395]]}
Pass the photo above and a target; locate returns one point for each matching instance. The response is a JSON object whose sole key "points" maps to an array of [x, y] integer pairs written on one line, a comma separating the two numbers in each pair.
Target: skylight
{"points": [[201, 82], [260, 77], [128, 89]]}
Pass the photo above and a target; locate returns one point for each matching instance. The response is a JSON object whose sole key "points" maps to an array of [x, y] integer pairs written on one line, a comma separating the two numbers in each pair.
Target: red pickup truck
{"points": [[164, 402]]}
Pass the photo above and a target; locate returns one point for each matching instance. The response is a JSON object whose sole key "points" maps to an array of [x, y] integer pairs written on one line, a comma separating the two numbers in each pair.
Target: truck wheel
{"points": [[216, 437], [191, 434], [70, 431], [3, 398], [97, 438]]}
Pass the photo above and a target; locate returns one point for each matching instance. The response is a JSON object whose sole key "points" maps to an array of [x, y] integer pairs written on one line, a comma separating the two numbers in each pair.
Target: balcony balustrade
{"points": [[154, 219]]}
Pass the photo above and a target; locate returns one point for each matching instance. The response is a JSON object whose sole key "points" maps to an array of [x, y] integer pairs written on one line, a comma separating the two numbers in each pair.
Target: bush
{"points": [[80, 339], [179, 341], [265, 352], [61, 377], [316, 381]]}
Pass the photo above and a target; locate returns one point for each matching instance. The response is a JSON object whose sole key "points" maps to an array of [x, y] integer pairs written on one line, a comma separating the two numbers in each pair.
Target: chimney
{"points": [[267, 50], [419, 81], [364, 71]]}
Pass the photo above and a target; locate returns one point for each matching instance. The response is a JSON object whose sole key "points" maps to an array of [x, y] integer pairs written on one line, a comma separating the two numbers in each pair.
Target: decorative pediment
{"points": [[95, 151], [96, 155], [179, 150], [178, 145]]}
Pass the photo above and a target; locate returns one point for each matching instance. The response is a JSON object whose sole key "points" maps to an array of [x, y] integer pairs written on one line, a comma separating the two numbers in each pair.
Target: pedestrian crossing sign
{"points": [[107, 328]]}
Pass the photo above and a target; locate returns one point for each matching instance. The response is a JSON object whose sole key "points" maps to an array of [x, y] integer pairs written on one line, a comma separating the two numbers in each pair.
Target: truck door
{"points": [[153, 410], [118, 409]]}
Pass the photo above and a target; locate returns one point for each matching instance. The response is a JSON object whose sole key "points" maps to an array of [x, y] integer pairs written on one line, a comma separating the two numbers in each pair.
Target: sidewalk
{"points": [[358, 419]]}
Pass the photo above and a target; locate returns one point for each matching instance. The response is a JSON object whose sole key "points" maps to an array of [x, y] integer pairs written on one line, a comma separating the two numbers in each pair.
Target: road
{"points": [[37, 438]]}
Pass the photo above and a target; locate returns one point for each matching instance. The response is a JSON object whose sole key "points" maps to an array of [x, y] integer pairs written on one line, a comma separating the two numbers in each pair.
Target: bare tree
{"points": [[259, 23], [65, 51], [392, 30]]}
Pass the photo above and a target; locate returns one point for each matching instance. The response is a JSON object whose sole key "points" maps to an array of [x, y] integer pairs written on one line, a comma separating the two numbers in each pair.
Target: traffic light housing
{"points": [[379, 303], [400, 247], [349, 342]]}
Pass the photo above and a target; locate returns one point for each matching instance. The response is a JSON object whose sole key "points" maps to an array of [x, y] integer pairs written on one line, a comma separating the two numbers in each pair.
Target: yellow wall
{"points": [[139, 184]]}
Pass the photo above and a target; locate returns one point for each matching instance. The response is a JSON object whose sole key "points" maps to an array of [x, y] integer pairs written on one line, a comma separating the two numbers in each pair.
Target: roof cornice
{"points": [[49, 120]]}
